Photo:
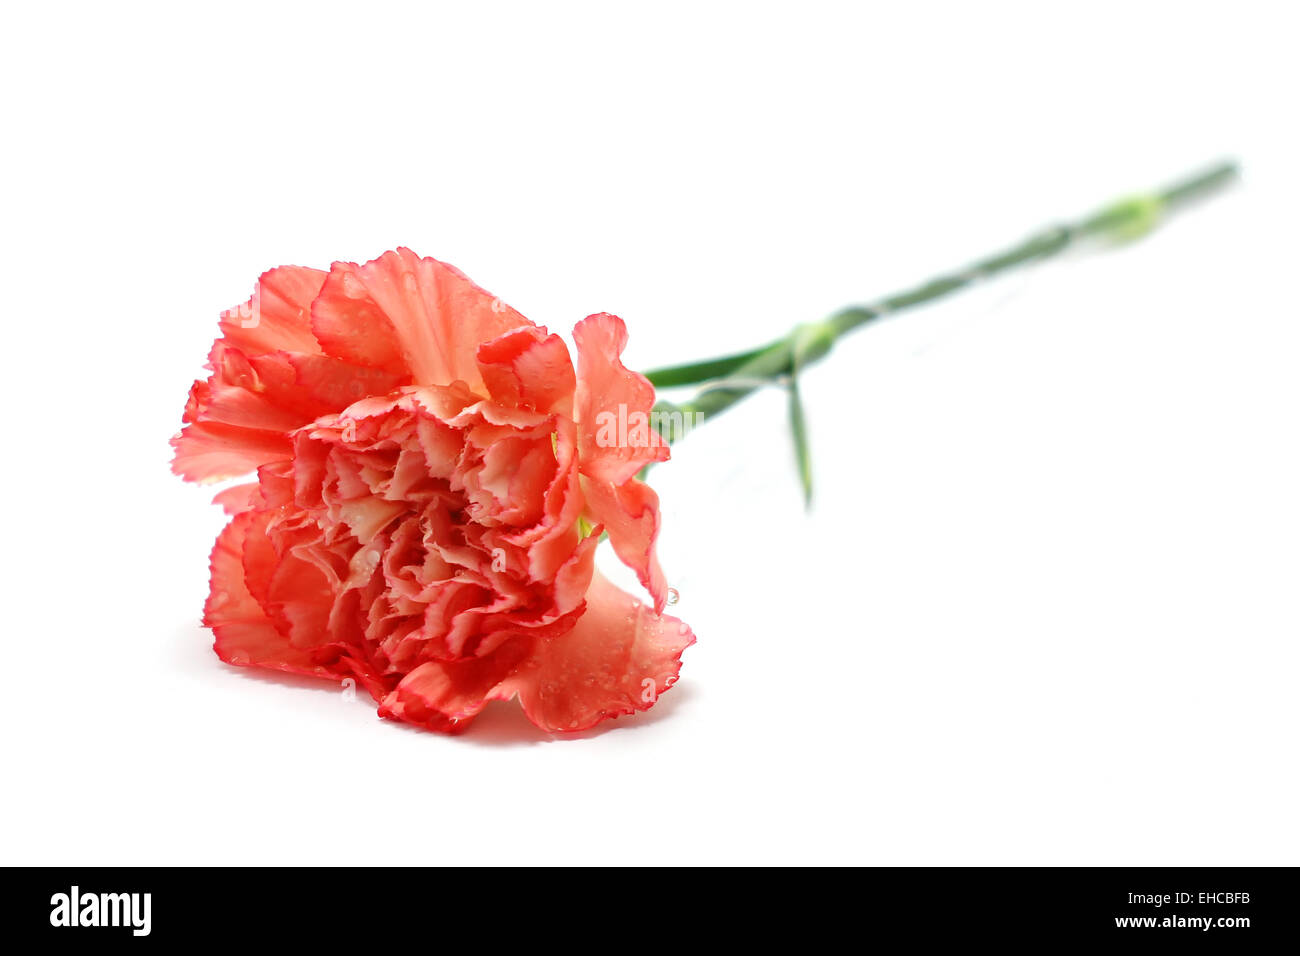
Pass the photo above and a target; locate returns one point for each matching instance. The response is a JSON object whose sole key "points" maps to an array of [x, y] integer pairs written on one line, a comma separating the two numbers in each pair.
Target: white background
{"points": [[1044, 609]]}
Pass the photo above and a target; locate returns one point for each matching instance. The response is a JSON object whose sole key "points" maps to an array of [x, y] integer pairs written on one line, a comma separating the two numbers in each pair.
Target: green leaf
{"points": [[803, 461], [807, 344]]}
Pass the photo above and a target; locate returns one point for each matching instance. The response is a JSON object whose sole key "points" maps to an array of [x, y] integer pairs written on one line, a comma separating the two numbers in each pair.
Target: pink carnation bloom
{"points": [[430, 493]]}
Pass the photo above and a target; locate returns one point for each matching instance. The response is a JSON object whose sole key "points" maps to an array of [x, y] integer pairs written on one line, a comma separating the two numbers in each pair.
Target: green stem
{"points": [[699, 371], [766, 364]]}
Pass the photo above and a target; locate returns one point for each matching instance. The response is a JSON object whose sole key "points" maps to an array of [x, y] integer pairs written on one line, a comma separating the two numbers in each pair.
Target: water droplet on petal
{"points": [[673, 596]]}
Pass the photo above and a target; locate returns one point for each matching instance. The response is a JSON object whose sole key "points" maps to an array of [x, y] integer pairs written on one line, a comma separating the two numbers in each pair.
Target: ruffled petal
{"points": [[212, 451], [613, 405], [244, 634], [615, 442], [553, 540], [630, 513], [241, 417], [413, 317], [243, 391], [278, 316], [529, 368], [239, 498], [618, 658], [268, 378], [446, 695]]}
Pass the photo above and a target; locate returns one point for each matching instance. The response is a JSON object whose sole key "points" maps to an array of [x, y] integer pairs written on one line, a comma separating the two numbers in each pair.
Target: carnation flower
{"points": [[430, 491]]}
